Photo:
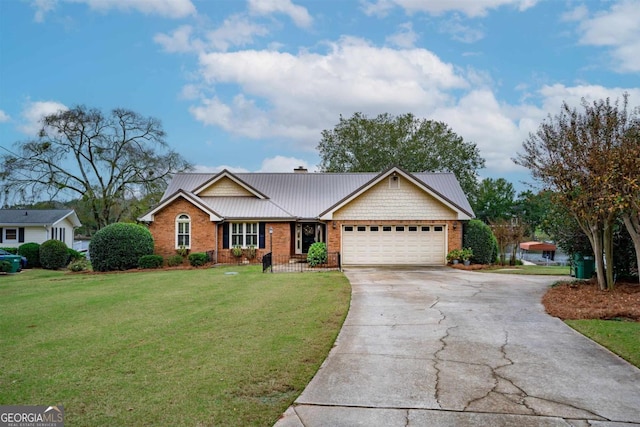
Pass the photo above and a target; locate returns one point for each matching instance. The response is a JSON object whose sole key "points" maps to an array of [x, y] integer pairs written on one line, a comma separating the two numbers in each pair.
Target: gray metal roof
{"points": [[33, 216], [304, 195]]}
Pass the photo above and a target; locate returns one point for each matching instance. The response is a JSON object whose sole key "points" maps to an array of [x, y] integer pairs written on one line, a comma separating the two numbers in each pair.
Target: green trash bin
{"points": [[578, 265], [14, 260], [584, 266], [589, 267]]}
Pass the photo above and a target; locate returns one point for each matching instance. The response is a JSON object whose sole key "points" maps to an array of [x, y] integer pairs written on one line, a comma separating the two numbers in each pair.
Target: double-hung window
{"points": [[10, 234], [183, 231], [244, 234]]}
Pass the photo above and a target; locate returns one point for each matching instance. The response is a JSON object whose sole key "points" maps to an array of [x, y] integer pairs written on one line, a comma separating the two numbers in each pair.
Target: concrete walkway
{"points": [[444, 347]]}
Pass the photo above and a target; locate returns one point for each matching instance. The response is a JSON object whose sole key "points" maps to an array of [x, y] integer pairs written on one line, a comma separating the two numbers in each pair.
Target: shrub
{"points": [[479, 238], [150, 261], [454, 254], [175, 260], [198, 259], [236, 251], [74, 255], [54, 254], [317, 254], [466, 254], [80, 264], [119, 246], [251, 252], [31, 251], [11, 250], [5, 266]]}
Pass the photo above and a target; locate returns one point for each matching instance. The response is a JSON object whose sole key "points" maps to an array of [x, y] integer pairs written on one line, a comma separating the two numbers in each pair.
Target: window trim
{"points": [[244, 234], [6, 238], [182, 219]]}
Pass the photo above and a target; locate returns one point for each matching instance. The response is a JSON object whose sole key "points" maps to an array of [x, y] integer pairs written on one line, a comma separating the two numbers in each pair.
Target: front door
{"points": [[307, 233], [308, 236]]}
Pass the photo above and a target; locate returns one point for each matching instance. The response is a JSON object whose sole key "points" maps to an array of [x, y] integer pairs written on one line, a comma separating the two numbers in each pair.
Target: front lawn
{"points": [[550, 270], [179, 347], [619, 336]]}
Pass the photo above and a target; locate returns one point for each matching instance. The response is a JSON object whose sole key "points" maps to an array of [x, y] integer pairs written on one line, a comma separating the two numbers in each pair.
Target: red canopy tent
{"points": [[537, 246]]}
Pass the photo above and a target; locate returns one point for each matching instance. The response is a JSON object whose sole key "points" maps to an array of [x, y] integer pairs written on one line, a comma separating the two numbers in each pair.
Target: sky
{"points": [[250, 85]]}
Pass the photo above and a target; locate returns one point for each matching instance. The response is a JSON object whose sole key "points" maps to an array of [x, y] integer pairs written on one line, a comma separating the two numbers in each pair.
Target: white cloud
{"points": [[42, 7], [380, 8], [576, 14], [283, 164], [471, 8], [459, 31], [179, 40], [298, 14], [618, 29], [216, 169], [236, 30], [275, 97], [405, 37], [555, 95], [4, 117], [167, 8], [272, 164], [34, 112]]}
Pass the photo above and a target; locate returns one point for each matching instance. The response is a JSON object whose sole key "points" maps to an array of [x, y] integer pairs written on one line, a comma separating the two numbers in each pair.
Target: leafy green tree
{"points": [[105, 160], [532, 208], [577, 155], [362, 144], [494, 200]]}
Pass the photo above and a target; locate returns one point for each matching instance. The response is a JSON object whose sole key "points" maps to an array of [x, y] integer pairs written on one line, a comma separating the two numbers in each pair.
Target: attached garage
{"points": [[393, 244]]}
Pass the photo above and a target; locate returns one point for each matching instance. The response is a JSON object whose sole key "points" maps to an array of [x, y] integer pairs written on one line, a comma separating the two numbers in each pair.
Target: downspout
{"points": [[216, 250]]}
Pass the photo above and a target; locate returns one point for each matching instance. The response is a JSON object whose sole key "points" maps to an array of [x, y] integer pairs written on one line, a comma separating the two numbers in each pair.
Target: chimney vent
{"points": [[300, 169]]}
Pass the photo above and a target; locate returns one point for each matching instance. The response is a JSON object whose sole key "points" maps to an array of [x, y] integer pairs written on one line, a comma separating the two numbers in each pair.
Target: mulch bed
{"points": [[584, 300]]}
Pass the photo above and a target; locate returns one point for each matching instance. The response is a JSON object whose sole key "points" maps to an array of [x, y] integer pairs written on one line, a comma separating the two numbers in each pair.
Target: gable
{"points": [[397, 199], [225, 187]]}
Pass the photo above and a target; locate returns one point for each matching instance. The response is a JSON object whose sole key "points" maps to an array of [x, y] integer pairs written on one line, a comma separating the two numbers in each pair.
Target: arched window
{"points": [[183, 231]]}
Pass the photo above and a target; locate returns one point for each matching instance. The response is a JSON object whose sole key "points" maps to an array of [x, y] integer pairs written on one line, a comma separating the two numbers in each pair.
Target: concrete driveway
{"points": [[443, 347]]}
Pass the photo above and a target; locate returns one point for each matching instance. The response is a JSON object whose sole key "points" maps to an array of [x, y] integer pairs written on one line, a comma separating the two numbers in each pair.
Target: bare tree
{"points": [[106, 161]]}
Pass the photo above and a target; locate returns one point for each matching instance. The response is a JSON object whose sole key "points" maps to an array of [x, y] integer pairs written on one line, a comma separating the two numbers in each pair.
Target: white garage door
{"points": [[393, 244]]}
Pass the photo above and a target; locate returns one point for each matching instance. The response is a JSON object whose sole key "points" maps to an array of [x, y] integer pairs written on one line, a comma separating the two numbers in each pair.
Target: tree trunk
{"points": [[595, 234], [632, 222], [608, 254]]}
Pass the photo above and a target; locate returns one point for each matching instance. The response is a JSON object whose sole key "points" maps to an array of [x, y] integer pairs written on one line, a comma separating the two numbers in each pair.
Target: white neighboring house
{"points": [[18, 226]]}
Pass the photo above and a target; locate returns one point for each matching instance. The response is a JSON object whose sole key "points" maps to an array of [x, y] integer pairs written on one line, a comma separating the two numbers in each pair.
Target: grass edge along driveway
{"points": [[619, 336], [171, 347]]}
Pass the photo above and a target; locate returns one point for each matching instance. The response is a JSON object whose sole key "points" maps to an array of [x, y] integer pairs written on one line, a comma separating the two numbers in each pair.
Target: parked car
{"points": [[23, 260]]}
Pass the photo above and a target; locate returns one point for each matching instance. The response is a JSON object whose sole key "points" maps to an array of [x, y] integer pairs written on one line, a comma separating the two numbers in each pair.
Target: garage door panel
{"points": [[373, 245]]}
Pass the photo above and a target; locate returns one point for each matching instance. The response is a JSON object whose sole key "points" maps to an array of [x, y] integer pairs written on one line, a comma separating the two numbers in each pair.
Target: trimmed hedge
{"points": [[317, 254], [150, 261], [198, 259], [31, 251], [54, 254], [480, 239], [119, 246]]}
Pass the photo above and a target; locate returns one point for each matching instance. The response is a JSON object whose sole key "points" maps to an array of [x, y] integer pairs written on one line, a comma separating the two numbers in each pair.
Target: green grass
{"points": [[174, 347], [551, 270], [621, 337]]}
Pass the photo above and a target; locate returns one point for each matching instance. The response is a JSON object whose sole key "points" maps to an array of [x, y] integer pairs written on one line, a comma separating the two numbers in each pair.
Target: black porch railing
{"points": [[296, 264]]}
